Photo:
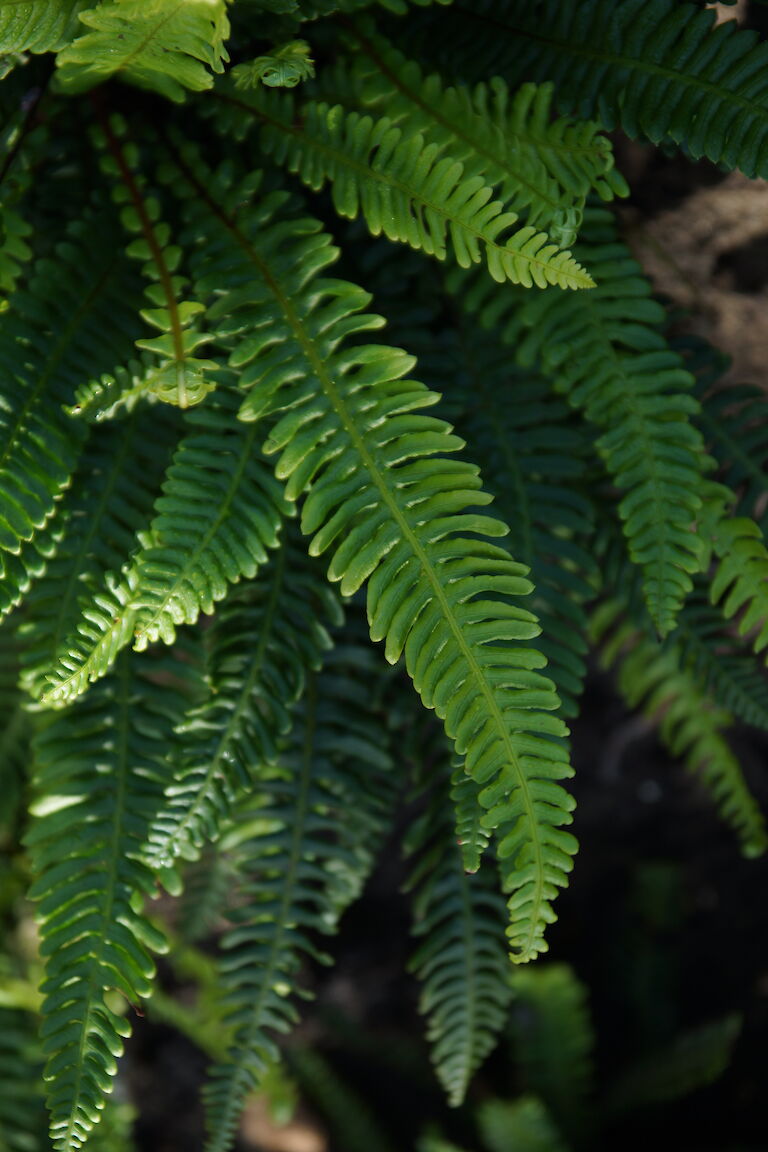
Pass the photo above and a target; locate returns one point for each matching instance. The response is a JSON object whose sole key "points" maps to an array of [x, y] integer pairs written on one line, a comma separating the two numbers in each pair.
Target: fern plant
{"points": [[219, 222]]}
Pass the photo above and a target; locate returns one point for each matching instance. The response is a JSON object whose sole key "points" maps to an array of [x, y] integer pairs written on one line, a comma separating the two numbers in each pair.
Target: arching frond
{"points": [[263, 642], [655, 680], [169, 46], [605, 351], [382, 498], [301, 826], [403, 185], [100, 766], [460, 962]]}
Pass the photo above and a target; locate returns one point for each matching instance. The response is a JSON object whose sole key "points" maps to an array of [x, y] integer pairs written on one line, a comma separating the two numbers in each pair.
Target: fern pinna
{"points": [[204, 414]]}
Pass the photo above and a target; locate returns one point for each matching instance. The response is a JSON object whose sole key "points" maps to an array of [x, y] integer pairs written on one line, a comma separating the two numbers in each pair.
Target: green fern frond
{"points": [[100, 766], [472, 837], [284, 67], [37, 25], [734, 420], [220, 511], [538, 168], [168, 46], [300, 826], [660, 69], [74, 320], [393, 511], [460, 962], [402, 184], [740, 583], [181, 377], [263, 642], [604, 350], [655, 680], [523, 1125], [110, 500], [116, 393], [19, 571], [553, 1042], [15, 231]]}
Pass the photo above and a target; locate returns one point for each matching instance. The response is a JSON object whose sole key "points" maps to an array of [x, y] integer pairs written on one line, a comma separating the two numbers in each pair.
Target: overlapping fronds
{"points": [[181, 377], [460, 962], [37, 25], [110, 500], [100, 769], [605, 351], [300, 827], [553, 1042], [524, 1125], [169, 46], [539, 168], [657, 68], [392, 510], [263, 642], [655, 680], [51, 339], [405, 186]]}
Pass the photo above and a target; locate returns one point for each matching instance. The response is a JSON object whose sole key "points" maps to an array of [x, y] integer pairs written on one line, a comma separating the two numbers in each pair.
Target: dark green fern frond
{"points": [[655, 68], [402, 184], [74, 320], [220, 510], [461, 962], [382, 498], [263, 642], [655, 680], [301, 825], [605, 351], [181, 377], [37, 25], [539, 168], [100, 770], [553, 1042], [524, 1125], [168, 46]]}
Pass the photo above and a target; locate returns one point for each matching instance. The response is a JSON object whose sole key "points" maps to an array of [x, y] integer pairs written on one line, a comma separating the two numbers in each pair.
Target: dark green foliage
{"points": [[200, 417]]}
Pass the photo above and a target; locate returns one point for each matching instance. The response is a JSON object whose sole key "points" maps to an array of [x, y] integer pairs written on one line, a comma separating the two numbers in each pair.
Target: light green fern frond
{"points": [[284, 67], [169, 46], [524, 1125], [383, 499], [403, 185], [740, 583], [100, 767], [37, 25], [656, 680]]}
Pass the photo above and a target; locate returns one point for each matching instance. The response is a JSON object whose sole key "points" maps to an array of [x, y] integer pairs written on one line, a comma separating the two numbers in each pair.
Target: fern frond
{"points": [[740, 583], [100, 766], [660, 69], [655, 680], [604, 350], [553, 1042], [262, 643], [461, 962], [19, 571], [74, 320], [402, 185], [168, 46], [300, 827], [220, 510], [284, 67], [538, 168], [734, 420], [393, 511], [116, 393], [37, 25], [181, 377], [22, 1111], [523, 1125]]}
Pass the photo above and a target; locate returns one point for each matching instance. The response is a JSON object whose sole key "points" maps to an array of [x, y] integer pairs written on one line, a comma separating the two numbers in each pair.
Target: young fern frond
{"points": [[460, 961], [300, 826], [604, 350], [37, 25], [403, 185], [660, 69], [181, 377], [380, 495], [168, 46], [539, 169], [656, 680], [263, 642], [93, 939], [52, 339]]}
